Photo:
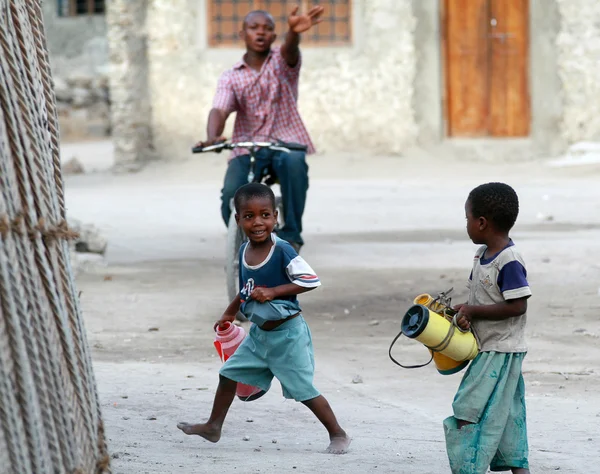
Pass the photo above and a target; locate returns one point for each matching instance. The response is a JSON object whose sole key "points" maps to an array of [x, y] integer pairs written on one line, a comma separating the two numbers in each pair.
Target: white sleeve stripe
{"points": [[305, 276], [517, 293], [305, 284], [298, 271]]}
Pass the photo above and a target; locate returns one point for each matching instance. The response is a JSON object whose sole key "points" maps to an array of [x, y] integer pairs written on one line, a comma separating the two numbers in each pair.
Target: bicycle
{"points": [[235, 236]]}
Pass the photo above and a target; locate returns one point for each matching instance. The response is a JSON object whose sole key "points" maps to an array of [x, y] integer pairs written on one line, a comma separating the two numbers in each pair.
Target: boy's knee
{"points": [[226, 382], [312, 400], [461, 423]]}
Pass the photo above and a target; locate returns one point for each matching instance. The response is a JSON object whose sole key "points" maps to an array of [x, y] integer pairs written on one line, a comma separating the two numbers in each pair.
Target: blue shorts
{"points": [[491, 396], [285, 353]]}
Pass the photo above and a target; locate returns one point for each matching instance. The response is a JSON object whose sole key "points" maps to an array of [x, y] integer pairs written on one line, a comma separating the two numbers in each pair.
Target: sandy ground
{"points": [[379, 231]]}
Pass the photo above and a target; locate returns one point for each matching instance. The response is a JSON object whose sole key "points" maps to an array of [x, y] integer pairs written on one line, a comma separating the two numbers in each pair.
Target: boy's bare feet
{"points": [[339, 444], [208, 432]]}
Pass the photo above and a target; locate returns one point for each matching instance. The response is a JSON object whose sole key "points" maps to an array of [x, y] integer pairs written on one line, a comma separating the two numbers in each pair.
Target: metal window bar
{"points": [[225, 19], [81, 7]]}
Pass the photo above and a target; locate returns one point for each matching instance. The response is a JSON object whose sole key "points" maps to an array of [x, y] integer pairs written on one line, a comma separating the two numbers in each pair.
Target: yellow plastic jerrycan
{"points": [[452, 348]]}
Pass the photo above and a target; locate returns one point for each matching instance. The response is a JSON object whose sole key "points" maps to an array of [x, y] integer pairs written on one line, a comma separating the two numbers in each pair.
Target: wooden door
{"points": [[486, 56]]}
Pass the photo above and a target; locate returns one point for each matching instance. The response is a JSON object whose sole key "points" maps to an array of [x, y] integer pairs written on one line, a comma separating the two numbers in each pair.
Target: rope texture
{"points": [[50, 419]]}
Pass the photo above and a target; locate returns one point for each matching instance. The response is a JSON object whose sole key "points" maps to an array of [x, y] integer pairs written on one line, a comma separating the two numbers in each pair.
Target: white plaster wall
{"points": [[355, 98], [578, 46]]}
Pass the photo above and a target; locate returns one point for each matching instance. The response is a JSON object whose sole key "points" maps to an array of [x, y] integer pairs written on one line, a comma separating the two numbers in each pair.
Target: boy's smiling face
{"points": [[257, 218]]}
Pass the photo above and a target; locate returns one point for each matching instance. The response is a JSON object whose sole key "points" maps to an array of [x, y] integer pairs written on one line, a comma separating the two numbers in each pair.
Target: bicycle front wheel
{"points": [[235, 238]]}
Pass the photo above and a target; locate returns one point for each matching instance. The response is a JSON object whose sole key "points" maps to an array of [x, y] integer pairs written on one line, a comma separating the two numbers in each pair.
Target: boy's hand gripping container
{"points": [[433, 323], [227, 340]]}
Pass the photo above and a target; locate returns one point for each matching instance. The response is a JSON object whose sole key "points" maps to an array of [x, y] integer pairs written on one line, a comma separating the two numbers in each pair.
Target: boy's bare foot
{"points": [[339, 444], [208, 432]]}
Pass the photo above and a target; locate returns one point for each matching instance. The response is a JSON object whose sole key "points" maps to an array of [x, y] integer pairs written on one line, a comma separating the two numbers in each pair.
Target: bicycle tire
{"points": [[235, 238], [280, 215]]}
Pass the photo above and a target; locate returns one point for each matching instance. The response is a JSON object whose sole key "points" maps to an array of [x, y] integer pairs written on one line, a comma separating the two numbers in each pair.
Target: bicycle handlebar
{"points": [[276, 146]]}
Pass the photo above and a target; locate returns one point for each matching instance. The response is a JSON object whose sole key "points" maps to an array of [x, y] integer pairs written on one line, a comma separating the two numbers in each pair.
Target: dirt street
{"points": [[379, 231]]}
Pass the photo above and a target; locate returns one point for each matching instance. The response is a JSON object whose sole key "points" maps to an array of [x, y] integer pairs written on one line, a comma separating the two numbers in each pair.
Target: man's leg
{"points": [[235, 177], [292, 171], [211, 430]]}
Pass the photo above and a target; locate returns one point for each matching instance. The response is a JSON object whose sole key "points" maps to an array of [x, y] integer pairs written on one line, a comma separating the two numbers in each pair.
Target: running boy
{"points": [[488, 428], [279, 343]]}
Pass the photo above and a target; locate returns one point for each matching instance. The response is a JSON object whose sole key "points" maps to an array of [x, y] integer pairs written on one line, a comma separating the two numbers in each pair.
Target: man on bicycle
{"points": [[263, 89]]}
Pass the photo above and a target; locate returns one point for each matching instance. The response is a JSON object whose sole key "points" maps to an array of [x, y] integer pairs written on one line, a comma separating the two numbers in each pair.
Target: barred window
{"points": [[81, 7], [225, 21]]}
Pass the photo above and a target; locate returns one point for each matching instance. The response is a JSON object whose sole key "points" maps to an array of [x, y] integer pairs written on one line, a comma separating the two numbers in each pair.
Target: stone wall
{"points": [[79, 58], [377, 96], [355, 98], [578, 46], [130, 108]]}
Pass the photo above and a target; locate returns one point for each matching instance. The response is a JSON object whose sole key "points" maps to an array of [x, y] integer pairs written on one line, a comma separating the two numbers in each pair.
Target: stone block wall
{"points": [[360, 98], [130, 100], [78, 48], [354, 98], [578, 49]]}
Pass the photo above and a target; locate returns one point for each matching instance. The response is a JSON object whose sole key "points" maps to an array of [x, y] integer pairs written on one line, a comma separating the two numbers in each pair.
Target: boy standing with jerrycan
{"points": [[489, 426], [279, 342]]}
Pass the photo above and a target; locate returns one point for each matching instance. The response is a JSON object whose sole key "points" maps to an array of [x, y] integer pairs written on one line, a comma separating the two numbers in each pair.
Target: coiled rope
{"points": [[50, 420]]}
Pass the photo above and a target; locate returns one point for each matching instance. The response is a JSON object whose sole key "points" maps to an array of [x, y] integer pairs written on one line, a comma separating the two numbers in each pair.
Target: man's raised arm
{"points": [[298, 24]]}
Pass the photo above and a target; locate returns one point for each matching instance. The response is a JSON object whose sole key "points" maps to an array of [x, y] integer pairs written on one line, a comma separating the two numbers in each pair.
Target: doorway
{"points": [[485, 53]]}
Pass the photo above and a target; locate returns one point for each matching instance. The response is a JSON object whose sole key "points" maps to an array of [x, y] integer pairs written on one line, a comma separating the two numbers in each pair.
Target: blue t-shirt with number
{"points": [[282, 266]]}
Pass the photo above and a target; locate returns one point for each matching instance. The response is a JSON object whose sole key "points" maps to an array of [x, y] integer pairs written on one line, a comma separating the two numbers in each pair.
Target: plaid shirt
{"points": [[265, 102]]}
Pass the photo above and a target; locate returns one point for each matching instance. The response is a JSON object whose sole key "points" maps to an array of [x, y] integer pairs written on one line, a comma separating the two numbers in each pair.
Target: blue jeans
{"points": [[291, 171]]}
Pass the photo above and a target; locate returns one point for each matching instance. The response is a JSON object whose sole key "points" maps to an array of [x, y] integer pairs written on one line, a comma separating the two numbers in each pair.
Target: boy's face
{"points": [[476, 226], [258, 33], [257, 218]]}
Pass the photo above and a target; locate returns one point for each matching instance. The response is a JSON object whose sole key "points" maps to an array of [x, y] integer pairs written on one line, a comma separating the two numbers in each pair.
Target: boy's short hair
{"points": [[252, 191], [497, 202]]}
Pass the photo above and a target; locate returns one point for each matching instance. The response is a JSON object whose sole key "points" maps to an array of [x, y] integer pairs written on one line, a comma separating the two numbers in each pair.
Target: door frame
{"points": [[445, 71], [429, 100]]}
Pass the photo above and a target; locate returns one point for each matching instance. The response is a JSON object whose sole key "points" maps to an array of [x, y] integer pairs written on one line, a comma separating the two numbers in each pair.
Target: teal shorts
{"points": [[491, 396], [285, 353]]}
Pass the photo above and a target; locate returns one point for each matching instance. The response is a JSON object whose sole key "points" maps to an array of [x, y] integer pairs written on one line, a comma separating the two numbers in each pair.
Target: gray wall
{"points": [[357, 98], [578, 58], [76, 44], [130, 102], [545, 89], [383, 94]]}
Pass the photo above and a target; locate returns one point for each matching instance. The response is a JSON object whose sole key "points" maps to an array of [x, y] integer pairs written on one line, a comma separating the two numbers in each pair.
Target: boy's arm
{"points": [[231, 311], [262, 295], [493, 312], [301, 276], [512, 283], [298, 24], [496, 312]]}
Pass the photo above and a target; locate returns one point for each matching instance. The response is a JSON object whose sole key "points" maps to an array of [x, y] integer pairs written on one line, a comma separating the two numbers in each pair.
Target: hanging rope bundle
{"points": [[50, 418]]}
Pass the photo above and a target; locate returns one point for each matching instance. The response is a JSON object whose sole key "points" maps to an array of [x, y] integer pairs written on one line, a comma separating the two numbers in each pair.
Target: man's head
{"points": [[258, 31], [491, 208], [255, 211]]}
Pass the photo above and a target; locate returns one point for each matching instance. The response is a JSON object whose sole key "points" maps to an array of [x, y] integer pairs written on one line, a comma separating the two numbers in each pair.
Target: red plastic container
{"points": [[228, 339]]}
